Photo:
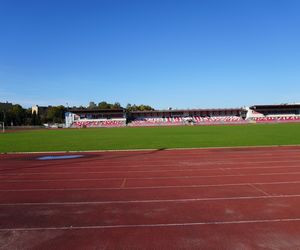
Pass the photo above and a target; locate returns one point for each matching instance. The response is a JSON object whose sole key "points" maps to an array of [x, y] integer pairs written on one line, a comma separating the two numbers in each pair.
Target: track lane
{"points": [[148, 213], [268, 235], [205, 217], [147, 182], [149, 173], [126, 194]]}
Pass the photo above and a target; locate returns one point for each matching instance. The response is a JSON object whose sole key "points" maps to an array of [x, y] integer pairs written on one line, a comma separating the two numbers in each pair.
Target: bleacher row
{"points": [[276, 119], [96, 124], [181, 121], [157, 121], [217, 119], [172, 121]]}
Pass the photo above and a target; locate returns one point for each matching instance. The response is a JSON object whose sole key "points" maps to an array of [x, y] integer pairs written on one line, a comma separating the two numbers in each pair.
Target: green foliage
{"points": [[151, 137], [106, 105], [18, 115], [14, 115], [117, 105], [35, 119], [56, 114], [92, 105], [141, 107]]}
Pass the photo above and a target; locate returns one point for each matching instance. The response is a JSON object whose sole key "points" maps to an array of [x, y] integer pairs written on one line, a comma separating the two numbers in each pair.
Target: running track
{"points": [[242, 198]]}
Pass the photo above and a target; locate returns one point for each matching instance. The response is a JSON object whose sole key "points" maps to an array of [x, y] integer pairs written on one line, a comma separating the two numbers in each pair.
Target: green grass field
{"points": [[150, 138]]}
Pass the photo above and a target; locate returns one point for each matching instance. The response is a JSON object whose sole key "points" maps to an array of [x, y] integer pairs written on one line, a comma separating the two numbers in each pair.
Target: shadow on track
{"points": [[87, 158]]}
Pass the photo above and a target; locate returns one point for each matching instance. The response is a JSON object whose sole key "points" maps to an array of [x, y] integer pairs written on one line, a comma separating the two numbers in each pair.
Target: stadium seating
{"points": [[276, 119], [172, 121], [96, 124], [217, 119], [156, 121], [187, 120]]}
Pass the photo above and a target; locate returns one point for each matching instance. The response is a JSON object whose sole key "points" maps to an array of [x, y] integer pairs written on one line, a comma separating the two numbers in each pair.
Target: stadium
{"points": [[150, 125], [117, 118], [154, 180]]}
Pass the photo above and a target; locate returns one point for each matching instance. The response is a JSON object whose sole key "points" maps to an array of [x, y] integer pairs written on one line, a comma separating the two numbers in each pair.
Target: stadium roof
{"points": [[187, 110], [278, 106]]}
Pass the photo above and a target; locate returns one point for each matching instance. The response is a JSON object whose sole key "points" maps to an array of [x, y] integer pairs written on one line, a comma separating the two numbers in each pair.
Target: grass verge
{"points": [[150, 138]]}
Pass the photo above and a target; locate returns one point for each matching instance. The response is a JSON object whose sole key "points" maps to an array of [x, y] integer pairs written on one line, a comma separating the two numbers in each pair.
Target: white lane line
{"points": [[150, 201], [197, 167], [134, 164], [143, 171], [181, 164], [147, 162], [259, 190], [109, 172], [153, 178], [204, 159], [64, 180], [155, 187], [154, 225]]}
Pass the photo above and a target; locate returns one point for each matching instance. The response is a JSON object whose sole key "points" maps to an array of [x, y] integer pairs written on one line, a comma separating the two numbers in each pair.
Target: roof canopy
{"points": [[186, 110], [272, 107]]}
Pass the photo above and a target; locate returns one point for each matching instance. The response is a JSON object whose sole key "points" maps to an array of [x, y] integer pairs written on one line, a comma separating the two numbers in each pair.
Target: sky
{"points": [[164, 53]]}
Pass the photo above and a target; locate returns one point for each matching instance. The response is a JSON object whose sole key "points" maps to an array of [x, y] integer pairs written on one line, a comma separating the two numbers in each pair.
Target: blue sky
{"points": [[180, 54]]}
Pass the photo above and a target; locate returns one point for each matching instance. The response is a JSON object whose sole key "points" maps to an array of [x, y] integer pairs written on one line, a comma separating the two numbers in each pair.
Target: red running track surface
{"points": [[234, 198]]}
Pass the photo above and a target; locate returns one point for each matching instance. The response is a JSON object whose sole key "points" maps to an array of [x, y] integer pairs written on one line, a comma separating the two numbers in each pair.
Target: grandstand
{"points": [[89, 118], [184, 117], [81, 118], [273, 113]]}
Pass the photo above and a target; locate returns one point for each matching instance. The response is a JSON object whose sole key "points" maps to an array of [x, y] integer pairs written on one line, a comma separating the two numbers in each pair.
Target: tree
{"points": [[128, 107], [116, 105], [145, 107], [35, 119], [141, 107], [18, 115], [104, 105], [92, 105], [56, 114]]}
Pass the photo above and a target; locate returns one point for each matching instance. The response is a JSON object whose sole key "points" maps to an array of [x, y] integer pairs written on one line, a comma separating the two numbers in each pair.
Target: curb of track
{"points": [[148, 149]]}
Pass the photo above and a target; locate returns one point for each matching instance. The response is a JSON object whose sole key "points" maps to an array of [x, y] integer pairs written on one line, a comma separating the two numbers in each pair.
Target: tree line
{"points": [[117, 105], [16, 115]]}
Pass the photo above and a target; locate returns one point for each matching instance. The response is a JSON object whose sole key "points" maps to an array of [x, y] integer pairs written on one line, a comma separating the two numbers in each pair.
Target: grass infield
{"points": [[150, 137]]}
